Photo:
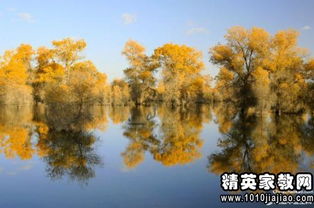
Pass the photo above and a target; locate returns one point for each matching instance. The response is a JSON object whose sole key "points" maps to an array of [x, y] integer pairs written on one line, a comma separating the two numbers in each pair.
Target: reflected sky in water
{"points": [[62, 156]]}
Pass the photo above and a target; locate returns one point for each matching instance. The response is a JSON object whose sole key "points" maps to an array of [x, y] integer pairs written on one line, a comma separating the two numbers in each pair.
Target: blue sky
{"points": [[107, 25]]}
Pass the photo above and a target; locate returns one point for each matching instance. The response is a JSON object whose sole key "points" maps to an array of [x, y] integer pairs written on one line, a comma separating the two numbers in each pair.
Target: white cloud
{"points": [[128, 18], [27, 17], [196, 30], [306, 27]]}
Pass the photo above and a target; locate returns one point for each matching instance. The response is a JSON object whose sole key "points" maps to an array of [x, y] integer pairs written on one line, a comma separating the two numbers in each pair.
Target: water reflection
{"points": [[262, 143], [67, 143], [64, 137], [171, 136], [15, 132]]}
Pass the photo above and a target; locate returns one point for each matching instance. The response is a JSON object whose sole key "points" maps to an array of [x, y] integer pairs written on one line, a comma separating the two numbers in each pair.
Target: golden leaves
{"points": [[181, 78], [262, 76], [221, 53], [134, 52], [262, 69], [285, 40], [67, 50], [179, 58]]}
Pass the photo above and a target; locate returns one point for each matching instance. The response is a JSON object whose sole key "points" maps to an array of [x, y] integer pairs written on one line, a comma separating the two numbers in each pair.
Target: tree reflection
{"points": [[63, 136], [180, 141], [140, 130], [70, 153], [15, 132], [173, 138], [119, 114], [75, 117], [261, 143], [308, 137], [66, 144]]}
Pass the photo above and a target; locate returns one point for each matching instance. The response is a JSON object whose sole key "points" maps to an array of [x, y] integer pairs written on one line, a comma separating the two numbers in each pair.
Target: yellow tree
{"points": [[181, 79], [85, 85], [70, 79], [241, 55], [259, 69], [309, 76], [46, 71], [120, 93], [15, 65], [285, 65], [140, 73], [67, 52], [262, 89]]}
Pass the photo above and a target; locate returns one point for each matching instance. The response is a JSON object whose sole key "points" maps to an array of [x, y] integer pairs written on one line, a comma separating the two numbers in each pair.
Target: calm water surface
{"points": [[65, 156]]}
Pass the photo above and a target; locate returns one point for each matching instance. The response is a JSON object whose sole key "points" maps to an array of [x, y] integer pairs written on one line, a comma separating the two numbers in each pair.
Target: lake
{"points": [[66, 156]]}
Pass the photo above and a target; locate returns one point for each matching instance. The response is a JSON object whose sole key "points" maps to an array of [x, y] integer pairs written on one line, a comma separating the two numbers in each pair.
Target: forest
{"points": [[258, 73]]}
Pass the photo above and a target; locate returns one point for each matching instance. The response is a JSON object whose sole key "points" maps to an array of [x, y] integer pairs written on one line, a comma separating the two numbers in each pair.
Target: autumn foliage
{"points": [[262, 71], [57, 96], [258, 72]]}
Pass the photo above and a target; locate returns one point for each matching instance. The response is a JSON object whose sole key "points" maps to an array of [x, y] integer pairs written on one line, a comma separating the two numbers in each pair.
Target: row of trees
{"points": [[258, 71], [50, 75], [181, 80], [61, 75]]}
